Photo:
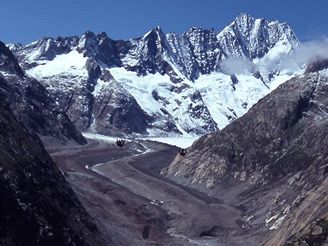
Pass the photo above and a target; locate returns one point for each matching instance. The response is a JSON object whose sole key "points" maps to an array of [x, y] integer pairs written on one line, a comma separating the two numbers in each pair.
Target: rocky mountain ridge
{"points": [[171, 83], [272, 163]]}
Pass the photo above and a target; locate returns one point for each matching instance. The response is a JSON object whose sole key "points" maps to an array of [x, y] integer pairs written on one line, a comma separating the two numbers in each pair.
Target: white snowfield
{"points": [[224, 100], [72, 63], [67, 70]]}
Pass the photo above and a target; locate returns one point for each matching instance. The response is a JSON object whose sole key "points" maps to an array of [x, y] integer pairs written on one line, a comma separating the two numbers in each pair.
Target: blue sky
{"points": [[25, 21]]}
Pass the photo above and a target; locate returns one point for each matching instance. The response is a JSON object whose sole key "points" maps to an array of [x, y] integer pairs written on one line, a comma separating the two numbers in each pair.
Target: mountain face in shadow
{"points": [[37, 206]]}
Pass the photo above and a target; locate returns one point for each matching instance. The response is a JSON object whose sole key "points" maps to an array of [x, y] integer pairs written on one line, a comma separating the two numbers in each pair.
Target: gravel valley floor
{"points": [[133, 204]]}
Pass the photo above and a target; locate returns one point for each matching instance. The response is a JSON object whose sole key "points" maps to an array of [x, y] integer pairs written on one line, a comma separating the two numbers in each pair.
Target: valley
{"points": [[124, 188], [205, 137]]}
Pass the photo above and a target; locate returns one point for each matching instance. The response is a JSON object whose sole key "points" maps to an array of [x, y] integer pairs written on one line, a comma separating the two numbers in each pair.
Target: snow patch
{"points": [[275, 221], [72, 63]]}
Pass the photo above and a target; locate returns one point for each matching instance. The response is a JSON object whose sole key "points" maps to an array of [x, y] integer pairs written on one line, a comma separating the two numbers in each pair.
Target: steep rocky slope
{"points": [[272, 162], [37, 206], [170, 83], [31, 102]]}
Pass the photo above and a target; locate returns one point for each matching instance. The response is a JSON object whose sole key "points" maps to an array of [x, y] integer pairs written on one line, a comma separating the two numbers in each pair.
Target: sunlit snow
{"points": [[72, 63]]}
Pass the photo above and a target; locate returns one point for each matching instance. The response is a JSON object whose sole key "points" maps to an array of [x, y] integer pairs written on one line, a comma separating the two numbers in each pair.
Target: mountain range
{"points": [[162, 84]]}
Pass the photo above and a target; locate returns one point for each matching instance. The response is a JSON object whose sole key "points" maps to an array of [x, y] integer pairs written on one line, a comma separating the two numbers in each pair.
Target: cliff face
{"points": [[277, 153], [37, 206]]}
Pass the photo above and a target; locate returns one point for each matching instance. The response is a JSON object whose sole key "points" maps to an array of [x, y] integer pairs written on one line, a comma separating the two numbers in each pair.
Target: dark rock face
{"points": [[37, 206], [314, 234], [317, 65], [277, 153], [80, 101], [150, 52], [102, 48], [115, 110], [8, 62], [196, 52], [31, 102], [199, 111]]}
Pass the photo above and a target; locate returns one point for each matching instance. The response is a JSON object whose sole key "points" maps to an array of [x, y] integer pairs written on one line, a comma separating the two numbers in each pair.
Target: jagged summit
{"points": [[166, 75], [253, 38], [156, 29]]}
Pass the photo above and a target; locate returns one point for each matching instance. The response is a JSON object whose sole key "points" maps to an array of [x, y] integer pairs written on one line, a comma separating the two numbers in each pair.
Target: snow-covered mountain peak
{"points": [[244, 21], [85, 40], [155, 33], [197, 29], [244, 15], [91, 37], [156, 36], [157, 29], [252, 38], [189, 83]]}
